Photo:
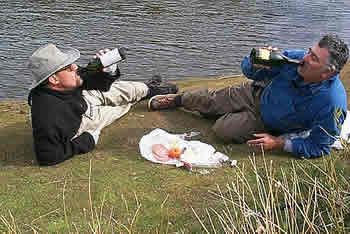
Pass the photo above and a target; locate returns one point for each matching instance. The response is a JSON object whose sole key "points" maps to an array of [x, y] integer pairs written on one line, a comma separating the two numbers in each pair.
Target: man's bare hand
{"points": [[268, 141]]}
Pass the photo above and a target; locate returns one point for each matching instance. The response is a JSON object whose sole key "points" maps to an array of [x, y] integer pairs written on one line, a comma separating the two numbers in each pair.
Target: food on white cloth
{"points": [[160, 152]]}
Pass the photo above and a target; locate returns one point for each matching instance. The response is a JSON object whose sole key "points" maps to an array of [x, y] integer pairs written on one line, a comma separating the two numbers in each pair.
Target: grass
{"points": [[296, 201], [113, 190]]}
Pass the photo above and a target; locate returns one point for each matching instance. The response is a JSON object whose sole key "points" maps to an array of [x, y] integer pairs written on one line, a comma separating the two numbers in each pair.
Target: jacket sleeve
{"points": [[98, 80], [51, 148], [323, 134]]}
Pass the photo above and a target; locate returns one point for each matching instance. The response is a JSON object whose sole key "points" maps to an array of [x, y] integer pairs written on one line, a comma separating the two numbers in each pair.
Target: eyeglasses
{"points": [[67, 68], [314, 57]]}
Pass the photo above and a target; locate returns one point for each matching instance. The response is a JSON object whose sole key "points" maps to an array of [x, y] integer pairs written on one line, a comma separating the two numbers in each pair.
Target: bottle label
{"points": [[264, 54], [110, 57]]}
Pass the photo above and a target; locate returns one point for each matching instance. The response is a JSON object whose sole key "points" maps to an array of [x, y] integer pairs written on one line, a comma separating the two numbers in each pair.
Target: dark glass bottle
{"points": [[270, 58], [111, 57]]}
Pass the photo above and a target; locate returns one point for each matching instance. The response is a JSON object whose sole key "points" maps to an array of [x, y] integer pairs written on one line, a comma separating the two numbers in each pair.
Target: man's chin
{"points": [[301, 69]]}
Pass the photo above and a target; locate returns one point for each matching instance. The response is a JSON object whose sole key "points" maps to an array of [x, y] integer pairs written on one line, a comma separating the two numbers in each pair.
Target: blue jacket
{"points": [[289, 106]]}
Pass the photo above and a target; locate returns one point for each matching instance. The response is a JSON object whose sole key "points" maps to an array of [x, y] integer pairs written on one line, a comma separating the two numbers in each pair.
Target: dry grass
{"points": [[289, 200]]}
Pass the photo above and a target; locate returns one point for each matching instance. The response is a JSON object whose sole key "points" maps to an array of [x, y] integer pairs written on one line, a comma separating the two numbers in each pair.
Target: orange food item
{"points": [[174, 152]]}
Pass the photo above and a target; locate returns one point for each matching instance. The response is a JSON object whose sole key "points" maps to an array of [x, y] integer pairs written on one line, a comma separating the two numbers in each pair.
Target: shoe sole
{"points": [[160, 95], [150, 100]]}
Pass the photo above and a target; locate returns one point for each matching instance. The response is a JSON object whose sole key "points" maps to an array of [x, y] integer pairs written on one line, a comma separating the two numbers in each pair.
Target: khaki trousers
{"points": [[235, 108], [106, 107]]}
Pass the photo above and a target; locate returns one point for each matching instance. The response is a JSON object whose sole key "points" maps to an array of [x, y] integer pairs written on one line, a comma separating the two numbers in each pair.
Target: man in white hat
{"points": [[70, 108]]}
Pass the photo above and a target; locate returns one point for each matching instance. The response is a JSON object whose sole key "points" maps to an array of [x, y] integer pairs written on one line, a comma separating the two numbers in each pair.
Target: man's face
{"points": [[68, 78], [314, 67]]}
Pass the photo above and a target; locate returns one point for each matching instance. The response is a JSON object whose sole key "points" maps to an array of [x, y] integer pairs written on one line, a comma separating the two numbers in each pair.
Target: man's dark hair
{"points": [[337, 49]]}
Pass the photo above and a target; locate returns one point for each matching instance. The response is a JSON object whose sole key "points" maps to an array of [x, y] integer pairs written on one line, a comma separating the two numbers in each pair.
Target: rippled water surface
{"points": [[177, 39]]}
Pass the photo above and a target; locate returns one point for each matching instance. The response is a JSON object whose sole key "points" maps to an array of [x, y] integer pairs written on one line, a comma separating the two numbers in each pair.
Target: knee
{"points": [[228, 134], [235, 127]]}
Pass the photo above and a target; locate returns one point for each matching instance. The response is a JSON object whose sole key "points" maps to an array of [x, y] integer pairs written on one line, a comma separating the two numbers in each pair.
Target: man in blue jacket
{"points": [[279, 100]]}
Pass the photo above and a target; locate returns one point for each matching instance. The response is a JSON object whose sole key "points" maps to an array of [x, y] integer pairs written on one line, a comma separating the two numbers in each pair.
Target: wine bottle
{"points": [[111, 57], [267, 57]]}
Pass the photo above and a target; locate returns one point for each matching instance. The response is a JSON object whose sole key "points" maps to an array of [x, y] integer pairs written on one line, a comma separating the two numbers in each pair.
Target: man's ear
{"points": [[53, 79], [328, 73]]}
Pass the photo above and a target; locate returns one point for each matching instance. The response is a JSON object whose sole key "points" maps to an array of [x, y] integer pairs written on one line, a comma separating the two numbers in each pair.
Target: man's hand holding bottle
{"points": [[106, 60]]}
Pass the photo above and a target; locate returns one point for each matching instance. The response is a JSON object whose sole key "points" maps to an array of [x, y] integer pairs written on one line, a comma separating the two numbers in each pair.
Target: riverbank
{"points": [[113, 189]]}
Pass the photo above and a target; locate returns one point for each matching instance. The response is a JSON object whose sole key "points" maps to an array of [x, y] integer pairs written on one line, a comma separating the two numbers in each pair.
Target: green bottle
{"points": [[270, 58], [111, 57]]}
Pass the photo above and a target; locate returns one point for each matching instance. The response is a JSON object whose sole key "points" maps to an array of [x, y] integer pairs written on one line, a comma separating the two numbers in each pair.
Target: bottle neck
{"points": [[289, 60]]}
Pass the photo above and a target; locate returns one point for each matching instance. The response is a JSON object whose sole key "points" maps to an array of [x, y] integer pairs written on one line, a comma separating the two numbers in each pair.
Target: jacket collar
{"points": [[312, 88]]}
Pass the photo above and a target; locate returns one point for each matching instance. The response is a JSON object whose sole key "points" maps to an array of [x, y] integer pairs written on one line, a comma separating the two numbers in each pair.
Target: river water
{"points": [[176, 39]]}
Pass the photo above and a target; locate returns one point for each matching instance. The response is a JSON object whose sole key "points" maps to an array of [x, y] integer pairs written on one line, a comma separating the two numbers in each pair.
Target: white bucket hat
{"points": [[47, 60]]}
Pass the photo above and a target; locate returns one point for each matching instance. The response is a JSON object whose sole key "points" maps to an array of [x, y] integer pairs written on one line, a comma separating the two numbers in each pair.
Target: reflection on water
{"points": [[177, 39]]}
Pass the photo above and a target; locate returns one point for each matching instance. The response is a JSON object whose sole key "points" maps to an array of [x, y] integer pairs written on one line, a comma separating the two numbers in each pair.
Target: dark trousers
{"points": [[235, 108]]}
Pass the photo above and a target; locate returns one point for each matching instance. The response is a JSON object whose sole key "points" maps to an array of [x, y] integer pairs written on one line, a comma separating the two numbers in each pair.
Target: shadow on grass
{"points": [[122, 137], [16, 146]]}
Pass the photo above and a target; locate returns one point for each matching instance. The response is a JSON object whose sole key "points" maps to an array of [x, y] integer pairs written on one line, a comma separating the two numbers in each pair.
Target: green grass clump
{"points": [[304, 198]]}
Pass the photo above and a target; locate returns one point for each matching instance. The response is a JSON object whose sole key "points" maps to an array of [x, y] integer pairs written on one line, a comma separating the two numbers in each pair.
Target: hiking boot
{"points": [[158, 87], [161, 102]]}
